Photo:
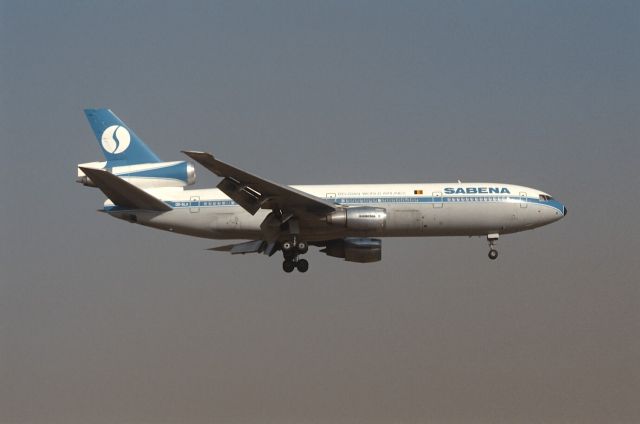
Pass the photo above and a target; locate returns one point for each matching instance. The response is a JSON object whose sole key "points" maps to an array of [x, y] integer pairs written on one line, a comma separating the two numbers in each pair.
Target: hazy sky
{"points": [[106, 322]]}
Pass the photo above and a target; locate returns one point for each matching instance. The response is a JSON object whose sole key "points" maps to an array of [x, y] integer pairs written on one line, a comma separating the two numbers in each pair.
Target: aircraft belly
{"points": [[206, 222], [235, 223], [451, 219]]}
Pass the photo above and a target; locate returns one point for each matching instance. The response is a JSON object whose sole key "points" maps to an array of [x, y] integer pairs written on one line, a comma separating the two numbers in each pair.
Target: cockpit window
{"points": [[545, 198]]}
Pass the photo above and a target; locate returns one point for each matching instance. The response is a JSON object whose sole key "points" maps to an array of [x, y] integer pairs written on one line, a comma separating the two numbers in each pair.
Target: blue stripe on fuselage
{"points": [[372, 201]]}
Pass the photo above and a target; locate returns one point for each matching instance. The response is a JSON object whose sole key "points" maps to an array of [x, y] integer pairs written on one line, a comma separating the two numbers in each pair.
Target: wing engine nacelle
{"points": [[359, 218], [353, 249], [146, 175]]}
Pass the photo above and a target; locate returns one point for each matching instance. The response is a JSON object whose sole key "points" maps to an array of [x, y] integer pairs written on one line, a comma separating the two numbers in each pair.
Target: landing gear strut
{"points": [[291, 250], [493, 253]]}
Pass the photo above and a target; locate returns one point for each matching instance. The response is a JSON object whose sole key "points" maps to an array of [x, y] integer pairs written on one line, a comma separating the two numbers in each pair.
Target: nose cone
{"points": [[556, 212]]}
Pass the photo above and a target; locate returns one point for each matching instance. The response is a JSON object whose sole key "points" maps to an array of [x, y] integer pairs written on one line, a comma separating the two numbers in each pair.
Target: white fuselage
{"points": [[442, 209]]}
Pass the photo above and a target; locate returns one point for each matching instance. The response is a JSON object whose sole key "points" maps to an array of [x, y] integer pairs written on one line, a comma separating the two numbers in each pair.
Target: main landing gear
{"points": [[291, 250], [492, 239], [290, 264]]}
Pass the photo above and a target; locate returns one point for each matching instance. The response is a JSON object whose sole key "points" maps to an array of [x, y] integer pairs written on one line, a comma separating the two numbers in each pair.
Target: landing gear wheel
{"points": [[493, 254], [288, 266], [303, 265], [287, 246], [302, 247]]}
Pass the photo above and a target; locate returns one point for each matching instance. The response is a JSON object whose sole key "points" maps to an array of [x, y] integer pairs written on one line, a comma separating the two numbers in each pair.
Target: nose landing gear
{"points": [[492, 239]]}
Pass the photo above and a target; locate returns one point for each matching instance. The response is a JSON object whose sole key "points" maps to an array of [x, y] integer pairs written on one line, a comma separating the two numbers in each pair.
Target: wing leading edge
{"points": [[254, 193]]}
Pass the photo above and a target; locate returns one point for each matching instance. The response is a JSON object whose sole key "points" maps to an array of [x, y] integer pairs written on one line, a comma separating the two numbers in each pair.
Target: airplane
{"points": [[345, 220]]}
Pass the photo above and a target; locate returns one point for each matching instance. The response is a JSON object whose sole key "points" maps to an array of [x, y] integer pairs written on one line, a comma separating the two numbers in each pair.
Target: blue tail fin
{"points": [[120, 145]]}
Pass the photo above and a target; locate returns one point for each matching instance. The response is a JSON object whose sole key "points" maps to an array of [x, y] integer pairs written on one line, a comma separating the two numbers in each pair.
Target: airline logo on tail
{"points": [[115, 139]]}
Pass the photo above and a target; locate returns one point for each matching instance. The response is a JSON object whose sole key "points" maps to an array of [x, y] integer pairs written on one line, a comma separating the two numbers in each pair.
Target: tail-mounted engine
{"points": [[359, 218]]}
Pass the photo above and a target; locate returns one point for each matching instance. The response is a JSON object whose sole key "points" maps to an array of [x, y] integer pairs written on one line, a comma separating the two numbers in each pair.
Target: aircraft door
{"points": [[523, 200], [437, 199], [194, 204]]}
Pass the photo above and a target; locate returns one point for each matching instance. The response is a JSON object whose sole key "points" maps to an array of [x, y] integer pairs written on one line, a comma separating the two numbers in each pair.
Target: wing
{"points": [[253, 246], [254, 193]]}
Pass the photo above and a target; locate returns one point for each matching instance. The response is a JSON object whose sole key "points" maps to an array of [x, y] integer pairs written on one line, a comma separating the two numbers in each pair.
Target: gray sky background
{"points": [[103, 321]]}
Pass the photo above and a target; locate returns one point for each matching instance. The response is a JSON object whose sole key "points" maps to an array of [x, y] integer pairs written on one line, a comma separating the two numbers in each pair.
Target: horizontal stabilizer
{"points": [[122, 193], [254, 246]]}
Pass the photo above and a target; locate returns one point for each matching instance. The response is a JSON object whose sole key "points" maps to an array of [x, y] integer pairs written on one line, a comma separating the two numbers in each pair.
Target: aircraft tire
{"points": [[303, 265], [288, 266], [493, 254]]}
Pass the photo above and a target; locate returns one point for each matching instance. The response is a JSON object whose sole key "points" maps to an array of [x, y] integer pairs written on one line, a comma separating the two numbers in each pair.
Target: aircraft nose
{"points": [[564, 210]]}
